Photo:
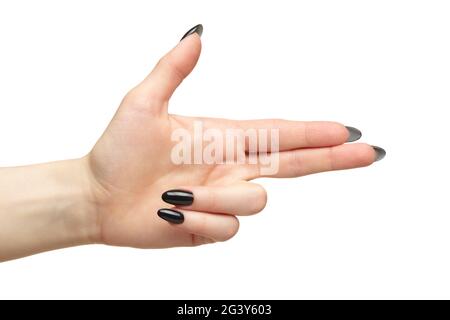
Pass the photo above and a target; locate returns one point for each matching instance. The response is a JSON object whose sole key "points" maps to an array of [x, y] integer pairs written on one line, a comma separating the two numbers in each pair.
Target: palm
{"points": [[132, 164]]}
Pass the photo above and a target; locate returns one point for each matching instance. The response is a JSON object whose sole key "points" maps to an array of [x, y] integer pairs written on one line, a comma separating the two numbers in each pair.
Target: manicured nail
{"points": [[178, 197], [380, 153], [172, 216], [353, 134], [197, 29]]}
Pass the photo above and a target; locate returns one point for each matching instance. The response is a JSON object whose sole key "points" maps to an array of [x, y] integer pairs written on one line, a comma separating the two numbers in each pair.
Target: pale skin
{"points": [[111, 195]]}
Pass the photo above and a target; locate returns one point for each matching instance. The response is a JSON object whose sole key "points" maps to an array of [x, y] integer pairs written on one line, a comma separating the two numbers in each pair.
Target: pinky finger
{"points": [[202, 225]]}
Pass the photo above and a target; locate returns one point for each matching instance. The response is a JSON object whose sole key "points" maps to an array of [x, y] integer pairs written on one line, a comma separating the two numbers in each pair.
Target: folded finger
{"points": [[242, 198], [201, 225]]}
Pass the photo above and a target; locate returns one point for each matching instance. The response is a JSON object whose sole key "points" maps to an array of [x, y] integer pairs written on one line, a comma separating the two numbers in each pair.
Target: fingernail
{"points": [[380, 153], [197, 29], [172, 216], [178, 197], [353, 134]]}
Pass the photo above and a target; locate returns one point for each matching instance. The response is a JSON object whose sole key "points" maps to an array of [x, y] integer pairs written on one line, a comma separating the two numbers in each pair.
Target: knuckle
{"points": [[202, 224], [230, 231], [259, 200], [136, 100], [132, 96], [295, 163], [175, 70], [212, 200], [330, 160], [198, 240]]}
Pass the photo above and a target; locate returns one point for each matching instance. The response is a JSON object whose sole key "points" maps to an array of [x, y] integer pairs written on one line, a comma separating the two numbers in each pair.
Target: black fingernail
{"points": [[353, 134], [197, 29], [178, 197], [380, 153], [172, 216]]}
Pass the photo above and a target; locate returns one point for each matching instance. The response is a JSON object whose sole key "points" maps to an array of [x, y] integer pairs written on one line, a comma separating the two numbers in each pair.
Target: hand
{"points": [[131, 167]]}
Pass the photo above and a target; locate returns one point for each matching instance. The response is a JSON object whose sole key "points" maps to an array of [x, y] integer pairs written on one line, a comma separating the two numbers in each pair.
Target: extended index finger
{"points": [[295, 134], [306, 134]]}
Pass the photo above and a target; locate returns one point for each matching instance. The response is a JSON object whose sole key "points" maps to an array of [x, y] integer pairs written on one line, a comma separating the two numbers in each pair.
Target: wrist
{"points": [[61, 198], [45, 207], [79, 203]]}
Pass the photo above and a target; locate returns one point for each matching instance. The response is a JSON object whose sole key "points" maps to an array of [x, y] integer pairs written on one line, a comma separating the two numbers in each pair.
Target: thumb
{"points": [[171, 70]]}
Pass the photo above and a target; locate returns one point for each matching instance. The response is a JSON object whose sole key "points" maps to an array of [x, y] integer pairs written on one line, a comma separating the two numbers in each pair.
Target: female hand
{"points": [[114, 194], [131, 164]]}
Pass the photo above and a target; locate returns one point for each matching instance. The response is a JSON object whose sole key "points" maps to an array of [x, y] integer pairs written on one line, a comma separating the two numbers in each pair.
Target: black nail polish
{"points": [[197, 29], [354, 134], [178, 197], [380, 153], [172, 216]]}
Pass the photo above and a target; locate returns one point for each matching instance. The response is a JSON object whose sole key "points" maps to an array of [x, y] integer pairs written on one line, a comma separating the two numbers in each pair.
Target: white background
{"points": [[381, 66]]}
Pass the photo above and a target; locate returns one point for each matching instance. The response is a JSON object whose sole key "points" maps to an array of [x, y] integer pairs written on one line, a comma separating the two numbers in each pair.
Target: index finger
{"points": [[305, 134]]}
